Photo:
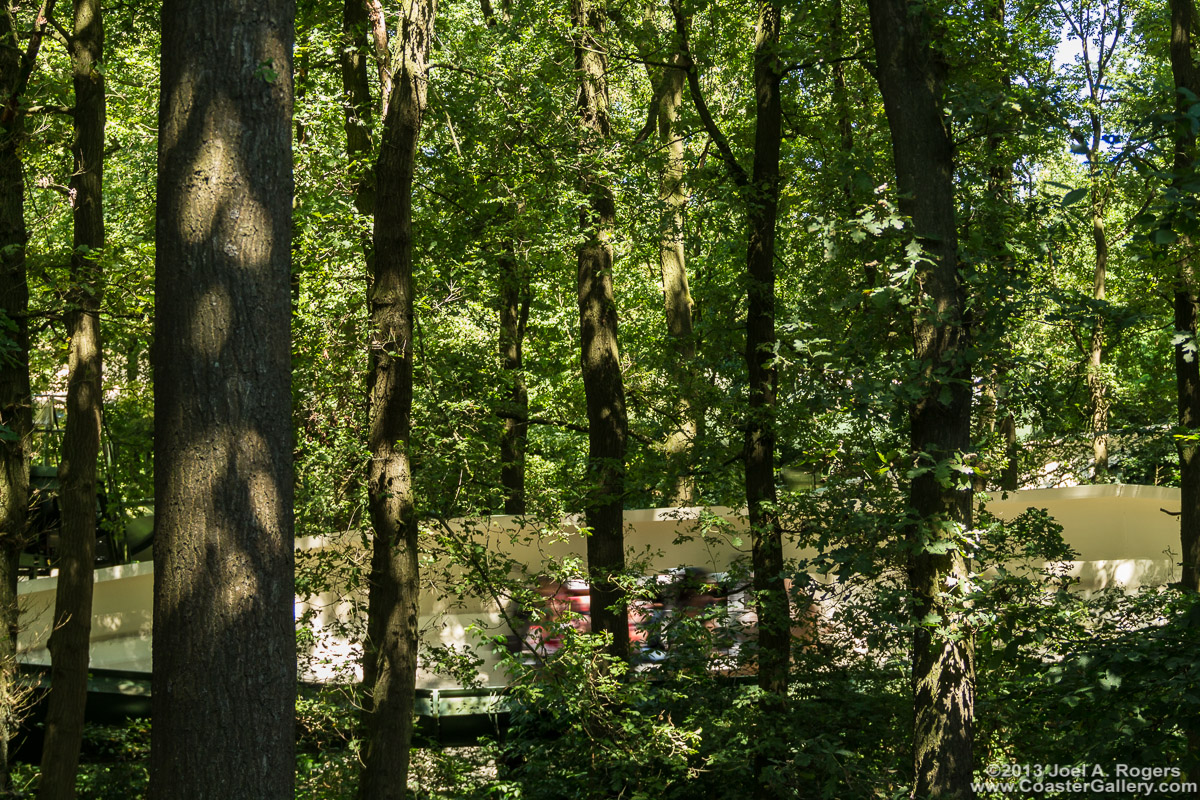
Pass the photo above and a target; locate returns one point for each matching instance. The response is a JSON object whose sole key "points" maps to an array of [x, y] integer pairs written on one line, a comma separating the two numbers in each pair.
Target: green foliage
{"points": [[114, 764], [1105, 682], [582, 729]]}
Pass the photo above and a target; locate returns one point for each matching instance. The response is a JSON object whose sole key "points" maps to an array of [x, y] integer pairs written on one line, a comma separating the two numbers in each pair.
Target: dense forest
{"points": [[357, 270]]}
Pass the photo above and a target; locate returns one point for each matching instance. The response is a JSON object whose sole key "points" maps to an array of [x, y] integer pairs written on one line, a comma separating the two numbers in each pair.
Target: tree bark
{"points": [[1187, 312], [383, 53], [672, 262], [1187, 356], [15, 403], [391, 647], [845, 127], [352, 59], [608, 425], [1096, 382], [81, 439], [995, 412], [515, 299], [774, 635], [760, 193], [515, 296], [911, 77], [762, 211], [224, 635]]}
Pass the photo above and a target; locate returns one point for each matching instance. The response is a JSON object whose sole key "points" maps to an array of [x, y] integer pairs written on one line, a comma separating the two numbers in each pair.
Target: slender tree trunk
{"points": [[1095, 75], [760, 192], [1096, 382], [383, 54], [774, 635], [352, 59], [224, 635], [608, 425], [490, 17], [15, 402], [911, 78], [515, 298], [81, 440], [391, 647], [1187, 356], [1010, 476], [845, 128], [762, 211], [673, 265], [357, 109], [995, 414]]}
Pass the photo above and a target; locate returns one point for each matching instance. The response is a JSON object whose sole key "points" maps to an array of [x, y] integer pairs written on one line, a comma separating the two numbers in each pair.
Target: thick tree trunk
{"points": [[673, 265], [81, 440], [391, 647], [608, 425], [15, 404], [1187, 356], [224, 634], [911, 79]]}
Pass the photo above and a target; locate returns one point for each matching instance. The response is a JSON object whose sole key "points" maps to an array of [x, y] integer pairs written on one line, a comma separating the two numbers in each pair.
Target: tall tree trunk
{"points": [[608, 425], [81, 440], [774, 636], [357, 123], [1187, 311], [391, 647], [383, 53], [1095, 73], [1096, 382], [911, 79], [352, 60], [762, 211], [15, 403], [1187, 356], [996, 414], [845, 127], [760, 192], [673, 265], [224, 682], [515, 298]]}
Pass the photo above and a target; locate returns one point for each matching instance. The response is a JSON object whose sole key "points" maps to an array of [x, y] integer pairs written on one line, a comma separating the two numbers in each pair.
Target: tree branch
{"points": [[688, 64], [567, 426], [28, 59], [858, 55], [51, 109]]}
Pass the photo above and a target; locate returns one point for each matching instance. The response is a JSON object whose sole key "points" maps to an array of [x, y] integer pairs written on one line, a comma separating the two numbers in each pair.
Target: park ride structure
{"points": [[1126, 536]]}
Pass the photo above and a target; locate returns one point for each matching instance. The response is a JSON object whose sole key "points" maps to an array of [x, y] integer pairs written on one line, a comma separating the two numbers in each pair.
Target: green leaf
{"points": [[1164, 236], [1074, 196]]}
